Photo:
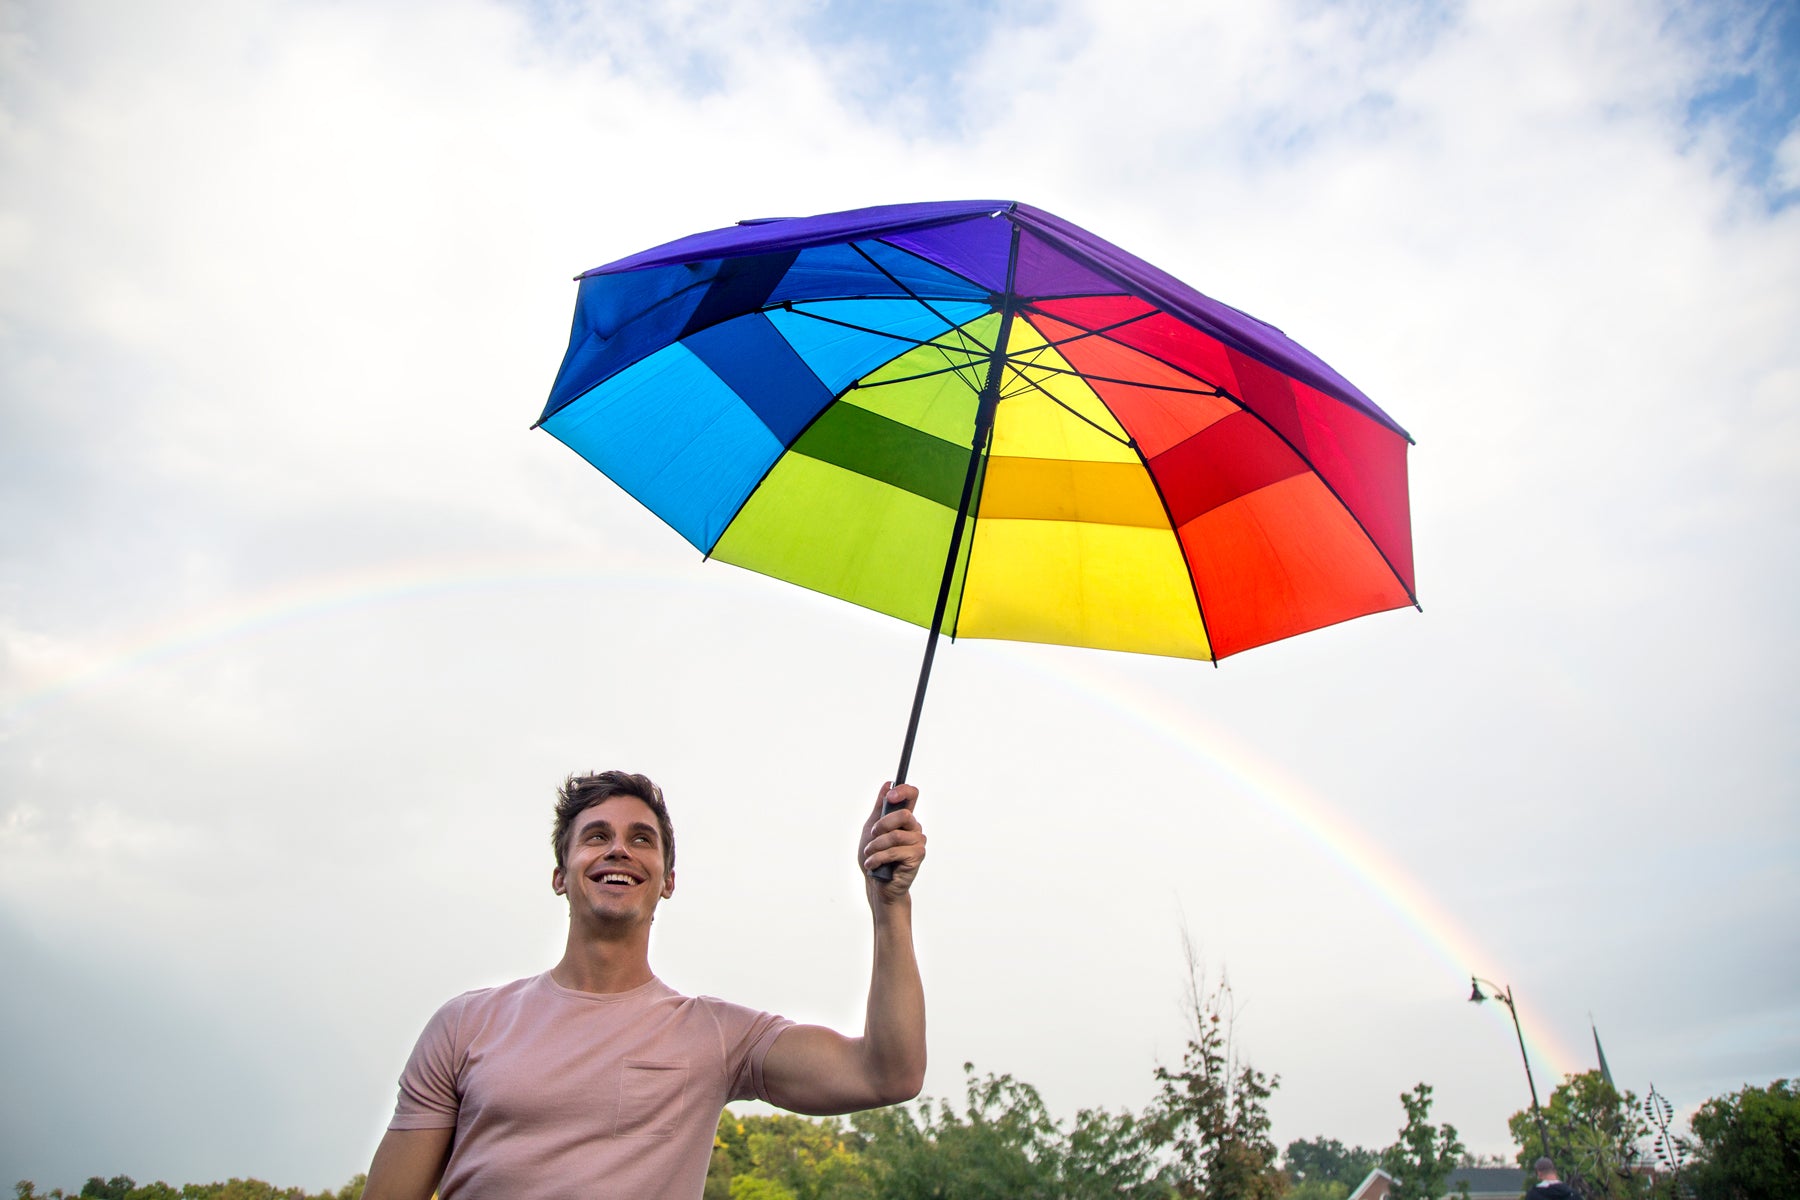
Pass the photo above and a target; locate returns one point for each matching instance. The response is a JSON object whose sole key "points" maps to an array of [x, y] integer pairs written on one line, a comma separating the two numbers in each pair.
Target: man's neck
{"points": [[603, 965]]}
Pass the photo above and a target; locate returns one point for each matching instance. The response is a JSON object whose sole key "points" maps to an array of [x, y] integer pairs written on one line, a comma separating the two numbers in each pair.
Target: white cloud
{"points": [[299, 625]]}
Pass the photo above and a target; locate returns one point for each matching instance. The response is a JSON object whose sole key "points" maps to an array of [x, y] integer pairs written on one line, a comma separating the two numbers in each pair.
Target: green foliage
{"points": [[1421, 1161], [1204, 1135], [1210, 1115], [1749, 1144], [802, 1159], [1593, 1130], [1322, 1161], [1110, 1156], [1319, 1189], [1002, 1144], [123, 1187]]}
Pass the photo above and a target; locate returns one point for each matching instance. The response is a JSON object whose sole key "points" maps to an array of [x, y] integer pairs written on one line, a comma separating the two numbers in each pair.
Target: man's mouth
{"points": [[618, 878]]}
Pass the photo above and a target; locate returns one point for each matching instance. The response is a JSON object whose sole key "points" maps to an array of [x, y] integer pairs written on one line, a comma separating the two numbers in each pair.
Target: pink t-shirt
{"points": [[558, 1093]]}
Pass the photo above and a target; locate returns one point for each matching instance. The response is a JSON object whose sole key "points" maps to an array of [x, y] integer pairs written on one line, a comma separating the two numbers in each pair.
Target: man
{"points": [[1549, 1187], [596, 1078]]}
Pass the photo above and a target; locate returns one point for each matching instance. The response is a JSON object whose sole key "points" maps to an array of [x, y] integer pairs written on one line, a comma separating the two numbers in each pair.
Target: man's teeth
{"points": [[617, 879]]}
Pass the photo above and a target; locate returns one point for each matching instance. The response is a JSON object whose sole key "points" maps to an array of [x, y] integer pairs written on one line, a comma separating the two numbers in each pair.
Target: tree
{"points": [[1421, 1161], [1109, 1156], [1749, 1144], [749, 1187], [1324, 1169], [122, 1186], [1001, 1146], [1210, 1115], [800, 1159], [1593, 1130]]}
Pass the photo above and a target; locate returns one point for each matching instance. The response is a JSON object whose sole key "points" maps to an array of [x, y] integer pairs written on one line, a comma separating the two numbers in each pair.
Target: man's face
{"points": [[614, 866]]}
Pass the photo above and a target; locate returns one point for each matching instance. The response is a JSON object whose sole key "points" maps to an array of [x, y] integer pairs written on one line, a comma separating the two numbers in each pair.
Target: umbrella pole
{"points": [[984, 424], [943, 600]]}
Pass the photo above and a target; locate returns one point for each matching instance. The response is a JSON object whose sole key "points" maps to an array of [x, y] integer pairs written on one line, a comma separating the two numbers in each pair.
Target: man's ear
{"points": [[669, 884], [558, 882]]}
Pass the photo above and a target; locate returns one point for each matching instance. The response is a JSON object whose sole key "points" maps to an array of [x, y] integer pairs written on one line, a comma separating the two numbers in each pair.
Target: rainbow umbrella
{"points": [[984, 420]]}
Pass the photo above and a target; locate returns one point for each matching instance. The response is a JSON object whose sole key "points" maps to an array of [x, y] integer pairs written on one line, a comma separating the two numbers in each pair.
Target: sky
{"points": [[301, 624]]}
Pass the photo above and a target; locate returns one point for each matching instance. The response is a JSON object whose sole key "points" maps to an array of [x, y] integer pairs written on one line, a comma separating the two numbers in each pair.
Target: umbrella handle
{"points": [[885, 872]]}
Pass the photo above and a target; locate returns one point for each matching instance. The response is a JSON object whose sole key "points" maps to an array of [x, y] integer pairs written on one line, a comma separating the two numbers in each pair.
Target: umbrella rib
{"points": [[788, 306], [1102, 331], [1186, 563], [1208, 390], [1032, 385], [1312, 467], [894, 279], [960, 328], [956, 369], [944, 350]]}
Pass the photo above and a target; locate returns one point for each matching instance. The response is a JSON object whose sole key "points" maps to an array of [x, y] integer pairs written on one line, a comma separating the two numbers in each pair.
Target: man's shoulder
{"points": [[714, 1004], [479, 999]]}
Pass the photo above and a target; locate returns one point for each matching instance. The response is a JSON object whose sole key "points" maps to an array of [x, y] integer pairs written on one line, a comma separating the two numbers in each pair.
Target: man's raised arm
{"points": [[820, 1072]]}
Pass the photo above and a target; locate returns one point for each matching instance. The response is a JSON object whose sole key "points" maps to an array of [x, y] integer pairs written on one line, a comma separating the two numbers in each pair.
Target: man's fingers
{"points": [[892, 838], [896, 796], [910, 835], [905, 857], [897, 827], [901, 847]]}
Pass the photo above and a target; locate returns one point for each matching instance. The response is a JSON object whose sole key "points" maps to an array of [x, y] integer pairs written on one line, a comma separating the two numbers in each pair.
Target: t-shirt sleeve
{"points": [[747, 1035], [429, 1097]]}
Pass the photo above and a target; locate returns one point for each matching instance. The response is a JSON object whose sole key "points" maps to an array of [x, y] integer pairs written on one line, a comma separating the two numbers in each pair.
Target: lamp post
{"points": [[1504, 996]]}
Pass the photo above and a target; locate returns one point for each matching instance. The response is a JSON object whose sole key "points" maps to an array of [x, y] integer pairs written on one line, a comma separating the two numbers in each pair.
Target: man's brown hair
{"points": [[581, 792]]}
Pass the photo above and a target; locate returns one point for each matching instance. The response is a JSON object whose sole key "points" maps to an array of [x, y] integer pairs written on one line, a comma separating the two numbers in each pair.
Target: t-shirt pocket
{"points": [[652, 1093]]}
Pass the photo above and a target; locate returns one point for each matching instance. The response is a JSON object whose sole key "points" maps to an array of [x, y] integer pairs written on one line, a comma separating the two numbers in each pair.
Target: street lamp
{"points": [[1504, 996]]}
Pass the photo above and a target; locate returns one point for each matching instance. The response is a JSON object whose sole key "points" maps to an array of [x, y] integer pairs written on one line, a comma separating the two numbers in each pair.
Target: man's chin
{"points": [[619, 912]]}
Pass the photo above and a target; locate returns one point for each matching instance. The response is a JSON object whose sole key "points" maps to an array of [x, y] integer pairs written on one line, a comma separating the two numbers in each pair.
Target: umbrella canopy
{"points": [[978, 417]]}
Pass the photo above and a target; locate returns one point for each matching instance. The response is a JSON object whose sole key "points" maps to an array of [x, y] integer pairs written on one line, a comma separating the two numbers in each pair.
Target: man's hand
{"points": [[895, 838], [814, 1070]]}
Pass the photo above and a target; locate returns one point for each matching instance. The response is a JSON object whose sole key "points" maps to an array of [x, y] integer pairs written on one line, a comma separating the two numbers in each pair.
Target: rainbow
{"points": [[1258, 779], [51, 676], [1308, 814]]}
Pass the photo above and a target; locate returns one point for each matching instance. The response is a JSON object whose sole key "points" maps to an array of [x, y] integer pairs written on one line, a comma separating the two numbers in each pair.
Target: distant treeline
{"points": [[1196, 1140], [124, 1187], [1203, 1136]]}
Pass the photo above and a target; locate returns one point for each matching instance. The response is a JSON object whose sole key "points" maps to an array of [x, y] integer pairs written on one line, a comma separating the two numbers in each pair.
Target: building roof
{"points": [[1485, 1183], [1497, 1182]]}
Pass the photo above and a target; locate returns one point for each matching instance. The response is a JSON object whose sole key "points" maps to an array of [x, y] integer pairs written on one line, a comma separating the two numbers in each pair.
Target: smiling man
{"points": [[598, 1079]]}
